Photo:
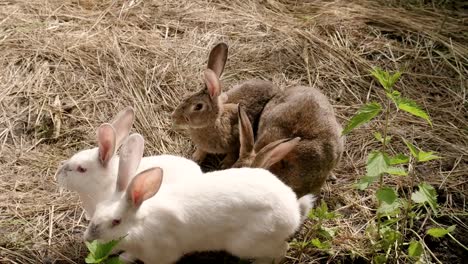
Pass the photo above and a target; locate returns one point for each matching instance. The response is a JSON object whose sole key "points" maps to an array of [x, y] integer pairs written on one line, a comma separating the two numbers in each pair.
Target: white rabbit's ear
{"points": [[144, 186], [274, 152], [212, 84], [218, 58], [246, 135], [123, 123], [106, 143], [130, 157]]}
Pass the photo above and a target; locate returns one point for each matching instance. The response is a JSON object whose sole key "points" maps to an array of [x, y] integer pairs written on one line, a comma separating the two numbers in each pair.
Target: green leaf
{"points": [[414, 151], [397, 171], [379, 138], [426, 156], [326, 232], [399, 159], [413, 108], [90, 259], [92, 247], [389, 236], [385, 79], [321, 245], [415, 249], [426, 194], [387, 195], [394, 78], [365, 182], [114, 260], [377, 163], [321, 212], [103, 250], [364, 115], [440, 232], [389, 200], [394, 96], [380, 259]]}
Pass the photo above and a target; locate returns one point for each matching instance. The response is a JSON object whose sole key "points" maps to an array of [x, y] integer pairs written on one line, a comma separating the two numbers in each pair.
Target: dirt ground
{"points": [[69, 65]]}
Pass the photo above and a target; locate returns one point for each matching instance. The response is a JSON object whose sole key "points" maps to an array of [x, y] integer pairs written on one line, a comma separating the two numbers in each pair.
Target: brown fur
{"points": [[306, 113], [211, 117]]}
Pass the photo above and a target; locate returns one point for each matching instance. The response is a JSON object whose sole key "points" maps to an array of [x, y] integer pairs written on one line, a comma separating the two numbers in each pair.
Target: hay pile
{"points": [[67, 66]]}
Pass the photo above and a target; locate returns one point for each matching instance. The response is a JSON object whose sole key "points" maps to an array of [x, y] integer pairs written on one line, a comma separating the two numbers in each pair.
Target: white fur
{"points": [[248, 212], [98, 182]]}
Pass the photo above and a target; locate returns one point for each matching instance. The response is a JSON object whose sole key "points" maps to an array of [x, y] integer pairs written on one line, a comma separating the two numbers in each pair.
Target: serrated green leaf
{"points": [[426, 194], [90, 259], [92, 246], [399, 159], [440, 232], [397, 171], [385, 79], [364, 115], [114, 260], [377, 163], [437, 232], [365, 182], [426, 156], [380, 259], [413, 108], [320, 245], [321, 212], [389, 201], [415, 249], [103, 250], [394, 96], [394, 78], [389, 236], [387, 195], [379, 138], [414, 151]]}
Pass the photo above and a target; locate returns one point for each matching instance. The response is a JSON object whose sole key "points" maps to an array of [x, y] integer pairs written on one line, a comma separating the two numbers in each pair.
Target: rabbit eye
{"points": [[115, 222], [198, 107], [81, 169]]}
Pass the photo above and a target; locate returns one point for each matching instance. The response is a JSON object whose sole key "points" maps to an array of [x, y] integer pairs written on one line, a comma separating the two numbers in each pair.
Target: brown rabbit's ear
{"points": [[212, 84], [246, 135], [130, 157], [144, 186], [218, 58], [123, 123], [106, 143], [274, 152]]}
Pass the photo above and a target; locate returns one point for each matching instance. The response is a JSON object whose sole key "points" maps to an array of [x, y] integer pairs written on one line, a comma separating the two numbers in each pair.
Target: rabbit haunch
{"points": [[247, 212], [298, 139]]}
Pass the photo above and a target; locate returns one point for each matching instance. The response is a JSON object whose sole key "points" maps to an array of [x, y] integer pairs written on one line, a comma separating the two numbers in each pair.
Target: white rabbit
{"points": [[247, 212], [92, 173]]}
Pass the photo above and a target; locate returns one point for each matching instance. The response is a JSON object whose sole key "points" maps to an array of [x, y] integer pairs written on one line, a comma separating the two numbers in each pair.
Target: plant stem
{"points": [[384, 148]]}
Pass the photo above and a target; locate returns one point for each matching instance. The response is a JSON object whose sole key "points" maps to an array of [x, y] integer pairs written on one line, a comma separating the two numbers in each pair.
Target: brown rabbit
{"points": [[211, 117], [297, 127]]}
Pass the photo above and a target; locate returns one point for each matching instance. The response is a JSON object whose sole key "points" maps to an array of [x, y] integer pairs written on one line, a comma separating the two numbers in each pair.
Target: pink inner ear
{"points": [[136, 197], [212, 83]]}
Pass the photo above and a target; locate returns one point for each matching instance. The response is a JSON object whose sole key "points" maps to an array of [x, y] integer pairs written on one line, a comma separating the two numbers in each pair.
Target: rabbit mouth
{"points": [[178, 126]]}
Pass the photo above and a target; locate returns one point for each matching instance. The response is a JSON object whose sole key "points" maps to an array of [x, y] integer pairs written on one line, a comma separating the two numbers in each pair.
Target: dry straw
{"points": [[67, 66]]}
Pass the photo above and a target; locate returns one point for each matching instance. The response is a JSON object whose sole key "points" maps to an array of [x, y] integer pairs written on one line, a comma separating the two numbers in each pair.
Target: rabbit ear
{"points": [[106, 143], [144, 186], [218, 58], [212, 84], [246, 135], [274, 152], [130, 157], [123, 123]]}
